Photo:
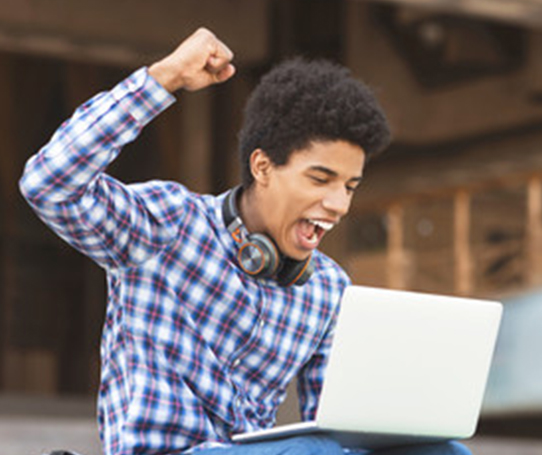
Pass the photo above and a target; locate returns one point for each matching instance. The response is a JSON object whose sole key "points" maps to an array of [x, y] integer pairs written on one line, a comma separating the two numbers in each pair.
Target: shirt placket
{"points": [[236, 360]]}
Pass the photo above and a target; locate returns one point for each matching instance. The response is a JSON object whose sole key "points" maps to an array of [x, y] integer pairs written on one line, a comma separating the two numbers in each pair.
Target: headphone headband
{"points": [[230, 213]]}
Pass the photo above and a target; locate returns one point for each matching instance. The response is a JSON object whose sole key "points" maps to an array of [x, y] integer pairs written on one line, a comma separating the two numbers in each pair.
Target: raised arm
{"points": [[65, 182]]}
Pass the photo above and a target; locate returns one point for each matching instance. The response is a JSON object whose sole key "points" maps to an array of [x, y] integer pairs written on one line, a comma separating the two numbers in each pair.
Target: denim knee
{"points": [[459, 449], [312, 445], [445, 448]]}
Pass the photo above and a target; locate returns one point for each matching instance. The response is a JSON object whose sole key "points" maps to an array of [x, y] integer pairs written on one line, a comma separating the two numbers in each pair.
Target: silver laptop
{"points": [[405, 368]]}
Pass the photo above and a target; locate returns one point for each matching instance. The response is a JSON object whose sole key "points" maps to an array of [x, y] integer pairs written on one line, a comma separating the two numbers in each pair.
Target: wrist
{"points": [[166, 78]]}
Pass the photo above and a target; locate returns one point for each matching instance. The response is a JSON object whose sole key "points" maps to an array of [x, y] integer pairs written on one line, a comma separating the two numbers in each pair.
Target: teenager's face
{"points": [[306, 197]]}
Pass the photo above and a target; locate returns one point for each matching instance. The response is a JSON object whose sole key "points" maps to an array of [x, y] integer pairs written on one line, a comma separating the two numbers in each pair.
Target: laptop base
{"points": [[347, 439]]}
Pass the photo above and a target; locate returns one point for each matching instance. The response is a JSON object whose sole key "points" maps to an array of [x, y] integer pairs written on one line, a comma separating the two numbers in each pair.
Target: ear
{"points": [[260, 166]]}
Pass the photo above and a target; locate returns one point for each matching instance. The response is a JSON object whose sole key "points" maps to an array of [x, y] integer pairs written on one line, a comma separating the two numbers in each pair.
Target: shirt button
{"points": [[236, 363], [262, 323]]}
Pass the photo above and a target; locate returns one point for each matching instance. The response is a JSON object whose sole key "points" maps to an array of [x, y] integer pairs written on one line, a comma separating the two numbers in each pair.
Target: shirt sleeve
{"points": [[311, 377], [65, 182]]}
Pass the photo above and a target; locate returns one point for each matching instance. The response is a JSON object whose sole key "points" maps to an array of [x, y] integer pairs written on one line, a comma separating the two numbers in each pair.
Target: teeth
{"points": [[313, 238], [326, 226]]}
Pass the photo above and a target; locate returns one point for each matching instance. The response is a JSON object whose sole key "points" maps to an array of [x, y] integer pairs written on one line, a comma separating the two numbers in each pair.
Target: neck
{"points": [[249, 210]]}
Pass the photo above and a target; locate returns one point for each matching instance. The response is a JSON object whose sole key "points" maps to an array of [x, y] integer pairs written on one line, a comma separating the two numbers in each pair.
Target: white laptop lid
{"points": [[408, 363]]}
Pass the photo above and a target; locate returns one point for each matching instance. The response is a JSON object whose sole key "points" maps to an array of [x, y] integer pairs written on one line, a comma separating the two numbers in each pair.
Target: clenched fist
{"points": [[199, 61]]}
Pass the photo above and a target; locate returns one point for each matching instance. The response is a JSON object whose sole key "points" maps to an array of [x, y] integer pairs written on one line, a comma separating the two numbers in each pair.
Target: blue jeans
{"points": [[319, 445]]}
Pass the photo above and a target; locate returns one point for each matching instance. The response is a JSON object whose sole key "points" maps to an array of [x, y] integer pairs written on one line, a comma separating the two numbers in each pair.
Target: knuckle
{"points": [[205, 33]]}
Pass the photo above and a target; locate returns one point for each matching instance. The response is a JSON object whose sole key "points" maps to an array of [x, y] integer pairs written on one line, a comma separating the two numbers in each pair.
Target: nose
{"points": [[337, 201]]}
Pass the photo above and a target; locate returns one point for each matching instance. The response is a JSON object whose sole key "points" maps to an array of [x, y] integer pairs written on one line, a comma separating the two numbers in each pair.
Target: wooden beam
{"points": [[396, 253], [8, 195], [59, 45], [407, 196], [169, 140], [8, 161], [195, 155], [534, 231], [462, 253], [130, 33], [228, 112], [522, 12], [464, 110]]}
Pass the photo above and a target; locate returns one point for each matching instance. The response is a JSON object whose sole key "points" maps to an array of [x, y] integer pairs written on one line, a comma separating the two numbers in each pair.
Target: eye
{"points": [[352, 188], [319, 180]]}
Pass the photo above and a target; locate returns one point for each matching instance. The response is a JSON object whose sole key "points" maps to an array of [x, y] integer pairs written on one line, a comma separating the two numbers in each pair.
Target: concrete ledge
{"points": [[36, 435], [47, 406]]}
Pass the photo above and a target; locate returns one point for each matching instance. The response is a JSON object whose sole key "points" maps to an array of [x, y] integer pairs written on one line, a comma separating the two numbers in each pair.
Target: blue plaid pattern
{"points": [[193, 349]]}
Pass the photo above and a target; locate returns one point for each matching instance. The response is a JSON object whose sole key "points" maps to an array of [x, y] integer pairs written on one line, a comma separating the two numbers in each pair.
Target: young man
{"points": [[215, 303]]}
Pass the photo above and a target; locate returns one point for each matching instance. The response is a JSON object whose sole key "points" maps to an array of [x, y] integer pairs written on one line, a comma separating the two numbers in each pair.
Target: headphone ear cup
{"points": [[258, 256], [295, 272]]}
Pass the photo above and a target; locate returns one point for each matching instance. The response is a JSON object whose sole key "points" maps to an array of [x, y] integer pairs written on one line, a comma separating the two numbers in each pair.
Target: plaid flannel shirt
{"points": [[192, 349]]}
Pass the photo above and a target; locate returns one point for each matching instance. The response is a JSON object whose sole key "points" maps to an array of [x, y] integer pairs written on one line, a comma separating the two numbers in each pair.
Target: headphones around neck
{"points": [[258, 255]]}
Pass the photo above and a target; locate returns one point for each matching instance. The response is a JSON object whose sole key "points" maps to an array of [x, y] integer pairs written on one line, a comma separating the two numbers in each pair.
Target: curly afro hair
{"points": [[301, 101]]}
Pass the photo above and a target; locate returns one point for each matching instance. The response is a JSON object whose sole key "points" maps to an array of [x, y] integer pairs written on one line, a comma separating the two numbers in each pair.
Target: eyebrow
{"points": [[332, 173]]}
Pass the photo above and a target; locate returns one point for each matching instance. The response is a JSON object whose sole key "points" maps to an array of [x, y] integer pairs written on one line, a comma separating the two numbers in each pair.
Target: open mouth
{"points": [[311, 231]]}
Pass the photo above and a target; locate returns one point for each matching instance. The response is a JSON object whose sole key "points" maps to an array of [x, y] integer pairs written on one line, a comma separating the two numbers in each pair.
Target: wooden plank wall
{"points": [[52, 299], [8, 183]]}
